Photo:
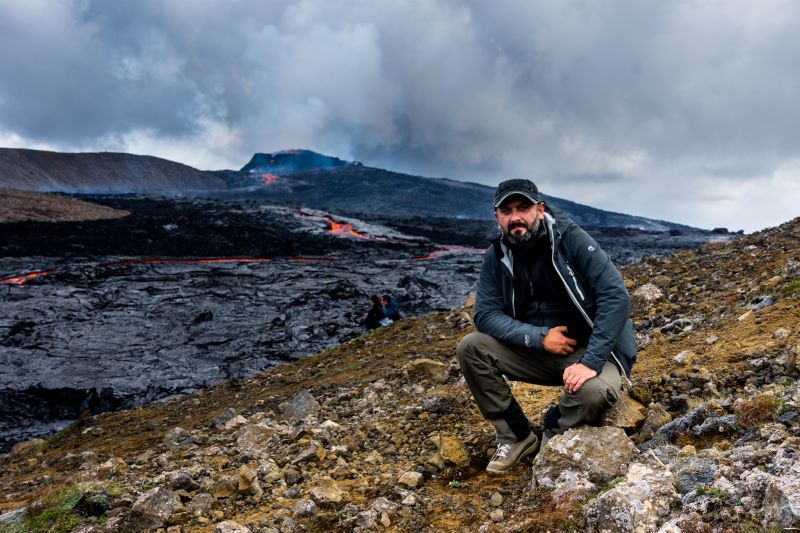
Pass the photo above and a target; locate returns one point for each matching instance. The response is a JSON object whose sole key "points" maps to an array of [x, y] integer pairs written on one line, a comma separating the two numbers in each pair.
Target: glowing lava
{"points": [[269, 179], [19, 280], [447, 250], [339, 229], [343, 229]]}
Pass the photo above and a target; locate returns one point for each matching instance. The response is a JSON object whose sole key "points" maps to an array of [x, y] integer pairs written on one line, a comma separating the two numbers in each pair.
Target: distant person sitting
{"points": [[390, 307], [375, 314]]}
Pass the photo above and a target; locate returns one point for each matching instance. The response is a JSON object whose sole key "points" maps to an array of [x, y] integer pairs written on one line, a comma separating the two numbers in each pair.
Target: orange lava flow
{"points": [[19, 280], [343, 229], [446, 250], [269, 178], [198, 260]]}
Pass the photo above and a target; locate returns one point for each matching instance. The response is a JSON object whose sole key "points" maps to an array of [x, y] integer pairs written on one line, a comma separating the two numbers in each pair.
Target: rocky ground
{"points": [[380, 433]]}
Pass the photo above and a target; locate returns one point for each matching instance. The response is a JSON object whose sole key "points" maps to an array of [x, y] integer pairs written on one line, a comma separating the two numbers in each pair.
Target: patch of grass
{"points": [[790, 289], [757, 411], [55, 513], [616, 481], [456, 484], [714, 492]]}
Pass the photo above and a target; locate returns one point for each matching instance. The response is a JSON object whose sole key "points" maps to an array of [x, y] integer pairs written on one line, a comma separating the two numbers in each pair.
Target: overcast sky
{"points": [[681, 110]]}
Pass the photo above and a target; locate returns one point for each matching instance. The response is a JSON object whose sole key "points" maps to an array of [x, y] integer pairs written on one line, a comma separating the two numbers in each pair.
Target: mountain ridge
{"points": [[296, 177]]}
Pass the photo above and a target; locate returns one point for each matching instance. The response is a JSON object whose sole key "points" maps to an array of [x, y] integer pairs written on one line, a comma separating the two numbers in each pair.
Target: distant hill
{"points": [[99, 172], [294, 177], [303, 177]]}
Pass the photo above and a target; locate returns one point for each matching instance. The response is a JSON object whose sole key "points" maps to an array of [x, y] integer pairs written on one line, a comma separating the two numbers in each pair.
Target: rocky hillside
{"points": [[98, 172], [381, 434], [28, 206]]}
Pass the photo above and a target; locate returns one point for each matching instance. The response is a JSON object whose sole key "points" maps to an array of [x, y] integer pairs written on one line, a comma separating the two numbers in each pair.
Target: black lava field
{"points": [[183, 293]]}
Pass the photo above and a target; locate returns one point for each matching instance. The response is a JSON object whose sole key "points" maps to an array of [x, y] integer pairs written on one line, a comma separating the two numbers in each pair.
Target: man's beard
{"points": [[526, 238]]}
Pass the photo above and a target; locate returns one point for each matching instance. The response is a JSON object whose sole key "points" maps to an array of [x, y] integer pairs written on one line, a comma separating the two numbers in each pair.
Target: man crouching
{"points": [[551, 309]]}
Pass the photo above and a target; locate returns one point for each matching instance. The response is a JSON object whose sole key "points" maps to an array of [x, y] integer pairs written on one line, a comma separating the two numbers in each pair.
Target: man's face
{"points": [[519, 219]]}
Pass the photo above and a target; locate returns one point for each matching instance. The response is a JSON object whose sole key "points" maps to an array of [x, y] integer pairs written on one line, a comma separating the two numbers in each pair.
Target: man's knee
{"points": [[598, 394], [470, 347]]}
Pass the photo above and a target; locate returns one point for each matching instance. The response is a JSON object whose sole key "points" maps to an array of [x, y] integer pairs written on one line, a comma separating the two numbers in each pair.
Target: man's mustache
{"points": [[517, 225]]}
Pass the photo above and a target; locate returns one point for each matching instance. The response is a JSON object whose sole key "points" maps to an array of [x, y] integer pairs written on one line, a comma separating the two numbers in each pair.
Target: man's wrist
{"points": [[540, 339]]}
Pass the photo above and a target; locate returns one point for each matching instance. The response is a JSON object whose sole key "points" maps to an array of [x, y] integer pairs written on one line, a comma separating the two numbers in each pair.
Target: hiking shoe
{"points": [[509, 454]]}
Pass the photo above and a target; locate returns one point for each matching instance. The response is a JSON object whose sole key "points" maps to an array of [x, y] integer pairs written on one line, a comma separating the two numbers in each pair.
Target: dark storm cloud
{"points": [[618, 104]]}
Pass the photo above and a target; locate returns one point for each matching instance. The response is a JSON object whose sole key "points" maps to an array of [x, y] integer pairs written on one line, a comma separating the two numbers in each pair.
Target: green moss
{"points": [[55, 514], [714, 492], [790, 289]]}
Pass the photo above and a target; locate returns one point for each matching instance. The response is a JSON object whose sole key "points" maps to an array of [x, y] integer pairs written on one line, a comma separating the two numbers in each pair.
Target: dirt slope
{"points": [[26, 206]]}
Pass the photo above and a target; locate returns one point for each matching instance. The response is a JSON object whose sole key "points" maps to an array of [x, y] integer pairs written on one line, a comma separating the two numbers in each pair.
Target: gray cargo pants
{"points": [[484, 361]]}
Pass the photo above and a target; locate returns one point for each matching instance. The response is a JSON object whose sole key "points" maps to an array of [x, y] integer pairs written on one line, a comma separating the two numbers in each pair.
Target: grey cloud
{"points": [[632, 91]]}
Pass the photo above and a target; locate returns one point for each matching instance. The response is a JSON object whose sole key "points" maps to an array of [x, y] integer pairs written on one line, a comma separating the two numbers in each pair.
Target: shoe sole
{"points": [[534, 447]]}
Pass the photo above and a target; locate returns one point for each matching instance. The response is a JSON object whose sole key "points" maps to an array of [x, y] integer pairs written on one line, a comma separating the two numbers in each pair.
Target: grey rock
{"points": [[305, 509], [153, 508], [182, 480], [411, 480], [219, 420], [637, 504], [694, 471], [177, 438], [301, 406], [252, 439], [782, 503], [672, 430], [598, 453], [229, 526], [716, 425], [202, 504], [761, 302]]}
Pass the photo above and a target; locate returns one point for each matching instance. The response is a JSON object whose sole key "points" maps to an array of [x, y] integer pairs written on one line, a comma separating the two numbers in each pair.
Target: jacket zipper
{"points": [[575, 281], [575, 301]]}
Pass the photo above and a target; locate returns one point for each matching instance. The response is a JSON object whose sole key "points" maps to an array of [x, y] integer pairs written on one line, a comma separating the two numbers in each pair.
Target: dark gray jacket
{"points": [[593, 284]]}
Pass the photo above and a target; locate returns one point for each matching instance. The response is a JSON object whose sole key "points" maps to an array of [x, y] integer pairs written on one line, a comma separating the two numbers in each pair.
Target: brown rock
{"points": [[627, 413], [426, 370], [225, 487], [453, 451]]}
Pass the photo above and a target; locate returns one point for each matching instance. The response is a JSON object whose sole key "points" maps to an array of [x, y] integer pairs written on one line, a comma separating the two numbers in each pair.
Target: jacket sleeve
{"points": [[600, 276], [490, 317]]}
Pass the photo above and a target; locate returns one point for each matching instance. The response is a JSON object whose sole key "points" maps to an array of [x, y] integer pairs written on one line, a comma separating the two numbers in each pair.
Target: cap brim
{"points": [[526, 194]]}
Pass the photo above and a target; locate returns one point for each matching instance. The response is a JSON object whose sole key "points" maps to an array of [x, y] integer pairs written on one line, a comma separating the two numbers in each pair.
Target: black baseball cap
{"points": [[517, 186]]}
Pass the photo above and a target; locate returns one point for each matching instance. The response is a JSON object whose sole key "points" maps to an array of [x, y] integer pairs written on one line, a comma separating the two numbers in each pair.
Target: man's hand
{"points": [[557, 343], [575, 376]]}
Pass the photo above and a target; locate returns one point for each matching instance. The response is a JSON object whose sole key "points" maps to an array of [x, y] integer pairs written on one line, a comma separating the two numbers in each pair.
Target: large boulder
{"points": [[782, 503], [153, 509], [598, 454], [638, 504]]}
